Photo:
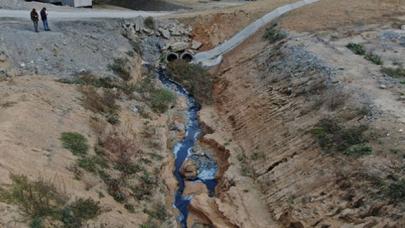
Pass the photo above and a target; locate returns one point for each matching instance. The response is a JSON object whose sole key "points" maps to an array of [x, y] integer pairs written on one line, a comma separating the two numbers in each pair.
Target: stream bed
{"points": [[183, 150]]}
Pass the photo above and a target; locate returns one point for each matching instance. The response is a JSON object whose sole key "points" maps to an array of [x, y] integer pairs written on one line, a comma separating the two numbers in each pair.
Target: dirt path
{"points": [[81, 14]]}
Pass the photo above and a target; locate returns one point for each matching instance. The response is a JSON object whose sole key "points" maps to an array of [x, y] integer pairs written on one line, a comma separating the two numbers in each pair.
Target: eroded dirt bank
{"points": [[269, 100]]}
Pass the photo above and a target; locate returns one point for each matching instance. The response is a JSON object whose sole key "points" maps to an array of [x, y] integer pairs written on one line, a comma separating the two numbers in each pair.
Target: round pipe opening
{"points": [[172, 57], [188, 57]]}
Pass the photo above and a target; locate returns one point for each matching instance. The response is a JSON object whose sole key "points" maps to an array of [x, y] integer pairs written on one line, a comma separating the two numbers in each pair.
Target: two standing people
{"points": [[44, 18]]}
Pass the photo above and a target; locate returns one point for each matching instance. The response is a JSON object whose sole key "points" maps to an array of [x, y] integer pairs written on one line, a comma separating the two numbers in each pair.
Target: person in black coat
{"points": [[44, 18], [35, 19]]}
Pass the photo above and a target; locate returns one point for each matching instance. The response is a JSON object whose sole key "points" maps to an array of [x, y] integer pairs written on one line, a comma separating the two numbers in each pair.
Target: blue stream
{"points": [[183, 148]]}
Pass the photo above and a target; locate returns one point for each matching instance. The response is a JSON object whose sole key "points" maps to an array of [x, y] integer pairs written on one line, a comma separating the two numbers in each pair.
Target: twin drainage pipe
{"points": [[186, 56]]}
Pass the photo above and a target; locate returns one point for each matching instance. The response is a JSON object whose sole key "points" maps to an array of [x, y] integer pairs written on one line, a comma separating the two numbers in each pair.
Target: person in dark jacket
{"points": [[35, 19], [44, 18]]}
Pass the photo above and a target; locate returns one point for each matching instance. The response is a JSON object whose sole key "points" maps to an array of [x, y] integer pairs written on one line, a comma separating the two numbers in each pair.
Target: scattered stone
{"points": [[196, 45], [147, 31], [178, 46], [403, 27], [135, 109], [3, 73], [382, 86], [22, 64], [175, 31], [11, 73], [3, 57], [164, 33]]}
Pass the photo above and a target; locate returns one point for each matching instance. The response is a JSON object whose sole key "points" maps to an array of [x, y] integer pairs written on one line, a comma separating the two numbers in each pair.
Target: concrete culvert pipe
{"points": [[187, 56], [170, 57]]}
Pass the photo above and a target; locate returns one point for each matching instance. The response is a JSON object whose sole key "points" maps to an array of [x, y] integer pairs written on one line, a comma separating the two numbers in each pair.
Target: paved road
{"points": [[214, 56], [81, 14]]}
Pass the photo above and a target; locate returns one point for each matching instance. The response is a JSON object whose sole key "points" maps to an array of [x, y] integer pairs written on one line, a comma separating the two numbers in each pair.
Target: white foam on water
{"points": [[176, 149], [207, 174]]}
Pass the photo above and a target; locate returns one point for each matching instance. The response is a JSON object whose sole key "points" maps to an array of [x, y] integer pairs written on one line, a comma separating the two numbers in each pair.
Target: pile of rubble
{"points": [[177, 37]]}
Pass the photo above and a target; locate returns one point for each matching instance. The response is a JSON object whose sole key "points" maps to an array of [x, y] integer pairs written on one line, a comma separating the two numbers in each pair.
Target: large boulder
{"points": [[178, 46], [189, 170]]}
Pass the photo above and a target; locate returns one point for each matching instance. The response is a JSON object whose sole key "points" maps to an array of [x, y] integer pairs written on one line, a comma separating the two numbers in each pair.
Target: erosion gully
{"points": [[183, 149]]}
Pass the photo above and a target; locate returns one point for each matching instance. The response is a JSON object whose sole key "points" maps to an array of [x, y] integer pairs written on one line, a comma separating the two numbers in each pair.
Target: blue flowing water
{"points": [[182, 150]]}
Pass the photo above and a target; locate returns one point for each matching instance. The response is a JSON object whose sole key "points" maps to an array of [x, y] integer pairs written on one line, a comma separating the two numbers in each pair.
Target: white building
{"points": [[78, 3]]}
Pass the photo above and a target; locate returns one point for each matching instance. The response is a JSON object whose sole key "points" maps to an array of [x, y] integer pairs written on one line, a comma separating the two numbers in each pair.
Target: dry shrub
{"points": [[119, 147], [92, 100], [97, 125]]}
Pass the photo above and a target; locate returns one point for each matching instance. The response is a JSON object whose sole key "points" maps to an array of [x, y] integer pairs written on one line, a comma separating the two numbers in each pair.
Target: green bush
{"points": [[196, 79], [161, 99], [40, 199], [75, 142], [149, 22], [273, 34], [358, 150], [85, 208], [145, 187], [87, 164], [374, 58], [394, 72], [158, 211], [128, 168], [333, 137], [79, 211], [158, 99], [396, 190], [357, 49]]}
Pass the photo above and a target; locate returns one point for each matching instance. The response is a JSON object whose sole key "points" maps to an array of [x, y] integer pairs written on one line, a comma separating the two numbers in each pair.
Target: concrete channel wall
{"points": [[214, 56]]}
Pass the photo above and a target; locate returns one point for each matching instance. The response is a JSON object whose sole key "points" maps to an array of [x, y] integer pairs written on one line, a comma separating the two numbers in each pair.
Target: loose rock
{"points": [[196, 45], [164, 33], [189, 170]]}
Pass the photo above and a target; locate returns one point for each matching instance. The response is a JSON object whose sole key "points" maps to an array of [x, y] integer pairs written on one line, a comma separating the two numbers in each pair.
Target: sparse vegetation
{"points": [[257, 155], [79, 211], [75, 142], [357, 49], [40, 199], [144, 188], [158, 99], [104, 104], [157, 215], [333, 137], [119, 66], [273, 34], [197, 80], [394, 72], [396, 190], [246, 169], [89, 79], [374, 58]]}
